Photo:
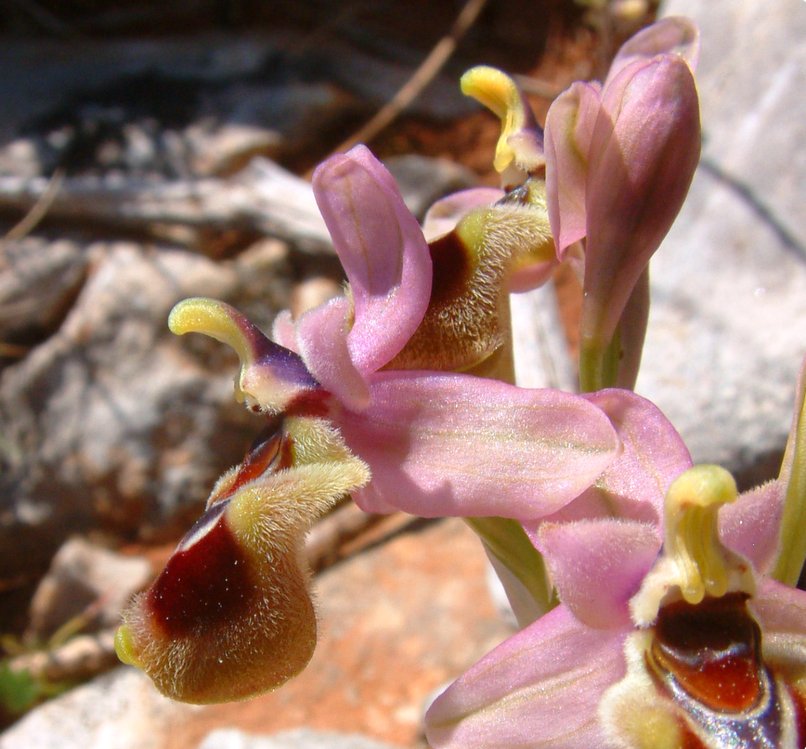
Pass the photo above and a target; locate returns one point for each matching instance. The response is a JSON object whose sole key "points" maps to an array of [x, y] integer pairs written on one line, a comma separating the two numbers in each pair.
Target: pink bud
{"points": [[644, 150]]}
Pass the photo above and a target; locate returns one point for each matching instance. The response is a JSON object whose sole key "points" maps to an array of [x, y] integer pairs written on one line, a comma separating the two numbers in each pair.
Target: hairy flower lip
{"points": [[230, 615]]}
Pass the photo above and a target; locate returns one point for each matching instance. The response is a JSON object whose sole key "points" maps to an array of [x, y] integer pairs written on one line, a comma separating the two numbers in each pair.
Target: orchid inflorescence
{"points": [[657, 604]]}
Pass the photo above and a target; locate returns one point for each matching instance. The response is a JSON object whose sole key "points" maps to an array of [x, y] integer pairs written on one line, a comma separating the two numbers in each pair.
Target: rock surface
{"points": [[114, 422], [727, 329], [85, 580], [39, 280], [119, 710]]}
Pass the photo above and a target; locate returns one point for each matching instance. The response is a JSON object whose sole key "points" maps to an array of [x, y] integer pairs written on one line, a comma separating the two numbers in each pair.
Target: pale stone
{"points": [[120, 710], [115, 422], [85, 580]]}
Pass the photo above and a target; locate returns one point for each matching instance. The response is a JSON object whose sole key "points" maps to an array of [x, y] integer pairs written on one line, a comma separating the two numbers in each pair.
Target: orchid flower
{"points": [[385, 363], [230, 616], [360, 397], [616, 165], [673, 630], [619, 161]]}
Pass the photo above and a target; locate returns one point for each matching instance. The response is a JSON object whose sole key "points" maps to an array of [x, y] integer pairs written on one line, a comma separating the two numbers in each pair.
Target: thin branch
{"points": [[37, 212], [421, 77]]}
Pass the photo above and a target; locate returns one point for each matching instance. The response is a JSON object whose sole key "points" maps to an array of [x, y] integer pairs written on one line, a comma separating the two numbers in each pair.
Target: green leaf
{"points": [[19, 691]]}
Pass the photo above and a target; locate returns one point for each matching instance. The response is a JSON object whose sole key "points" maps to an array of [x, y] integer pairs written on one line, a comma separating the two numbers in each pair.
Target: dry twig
{"points": [[421, 77]]}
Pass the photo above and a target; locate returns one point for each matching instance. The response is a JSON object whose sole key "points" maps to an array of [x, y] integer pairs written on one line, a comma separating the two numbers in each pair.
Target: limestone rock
{"points": [[115, 422], [85, 580], [38, 281], [120, 710]]}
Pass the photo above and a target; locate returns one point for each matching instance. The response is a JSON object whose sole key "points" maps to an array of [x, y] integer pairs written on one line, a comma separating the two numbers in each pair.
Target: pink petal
{"points": [[644, 149], [653, 453], [383, 252], [598, 565], [674, 35], [752, 524], [531, 276], [448, 444], [322, 341], [569, 129], [781, 610], [443, 216], [284, 331], [634, 485], [540, 688]]}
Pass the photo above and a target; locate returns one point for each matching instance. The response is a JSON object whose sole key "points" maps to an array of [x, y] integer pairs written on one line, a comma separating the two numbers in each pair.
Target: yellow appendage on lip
{"points": [[124, 647]]}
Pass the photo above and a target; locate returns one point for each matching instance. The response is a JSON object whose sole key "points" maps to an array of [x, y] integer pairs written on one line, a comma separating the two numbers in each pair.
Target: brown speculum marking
{"points": [[206, 582], [707, 658], [713, 651], [451, 269]]}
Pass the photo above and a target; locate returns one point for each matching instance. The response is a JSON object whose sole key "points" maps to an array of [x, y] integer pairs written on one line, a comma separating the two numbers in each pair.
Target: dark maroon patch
{"points": [[263, 455], [206, 581], [707, 659], [451, 269], [713, 651]]}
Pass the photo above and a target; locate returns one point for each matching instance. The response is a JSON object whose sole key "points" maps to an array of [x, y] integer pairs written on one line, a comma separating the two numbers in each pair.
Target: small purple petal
{"points": [[443, 215], [284, 331], [322, 340], [751, 525], [781, 610]]}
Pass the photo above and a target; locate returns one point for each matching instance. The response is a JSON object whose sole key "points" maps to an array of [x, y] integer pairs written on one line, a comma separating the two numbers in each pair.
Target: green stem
{"points": [[506, 540], [598, 364], [792, 552]]}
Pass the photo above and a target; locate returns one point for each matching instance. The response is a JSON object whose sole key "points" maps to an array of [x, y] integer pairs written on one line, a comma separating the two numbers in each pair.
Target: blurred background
{"points": [[151, 151]]}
